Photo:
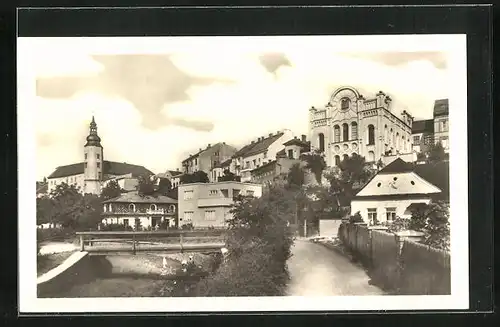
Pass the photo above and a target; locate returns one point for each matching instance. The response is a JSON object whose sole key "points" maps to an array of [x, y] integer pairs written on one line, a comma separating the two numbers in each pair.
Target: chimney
{"points": [[277, 132], [208, 145], [263, 137], [270, 134], [303, 138], [295, 137]]}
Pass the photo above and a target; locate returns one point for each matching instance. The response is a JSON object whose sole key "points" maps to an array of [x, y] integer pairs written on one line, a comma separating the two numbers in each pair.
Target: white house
{"points": [[397, 186]]}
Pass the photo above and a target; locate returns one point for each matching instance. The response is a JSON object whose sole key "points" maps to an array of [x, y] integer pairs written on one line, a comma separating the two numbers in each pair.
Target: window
{"points": [[345, 132], [250, 193], [265, 155], [110, 208], [85, 156], [97, 156], [216, 153], [85, 165], [99, 175], [344, 103], [354, 130], [397, 141], [212, 192], [171, 208], [371, 134], [428, 139], [321, 141], [188, 195], [195, 161], [386, 137], [390, 214], [131, 207], [444, 126], [337, 160], [247, 164], [98, 165], [216, 163], [153, 207], [290, 154], [416, 140], [236, 193], [125, 222], [254, 162], [372, 215], [188, 215], [210, 215], [371, 156], [336, 133]]}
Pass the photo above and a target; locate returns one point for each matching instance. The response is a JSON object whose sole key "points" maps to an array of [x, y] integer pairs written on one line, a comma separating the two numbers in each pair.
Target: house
{"points": [[206, 159], [391, 192], [258, 153], [422, 132], [91, 174], [172, 175], [132, 209], [207, 205], [350, 124], [441, 123], [218, 170], [126, 182]]}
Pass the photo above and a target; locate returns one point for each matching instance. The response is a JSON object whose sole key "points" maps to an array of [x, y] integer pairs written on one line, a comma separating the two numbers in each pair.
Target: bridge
{"points": [[126, 242]]}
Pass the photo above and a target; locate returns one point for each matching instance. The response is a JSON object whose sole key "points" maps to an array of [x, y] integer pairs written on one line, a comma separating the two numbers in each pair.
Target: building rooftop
{"points": [[441, 107], [109, 167], [134, 197], [215, 146], [259, 146], [423, 126]]}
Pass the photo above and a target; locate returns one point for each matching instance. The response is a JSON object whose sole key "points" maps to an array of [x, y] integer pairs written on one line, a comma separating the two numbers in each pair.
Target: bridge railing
{"points": [[151, 240]]}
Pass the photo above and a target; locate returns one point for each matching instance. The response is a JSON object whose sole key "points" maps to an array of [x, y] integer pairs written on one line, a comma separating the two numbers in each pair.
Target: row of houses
{"points": [[349, 124]]}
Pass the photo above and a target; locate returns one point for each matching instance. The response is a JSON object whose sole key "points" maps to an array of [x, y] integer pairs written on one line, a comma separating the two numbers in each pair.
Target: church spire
{"points": [[93, 139]]}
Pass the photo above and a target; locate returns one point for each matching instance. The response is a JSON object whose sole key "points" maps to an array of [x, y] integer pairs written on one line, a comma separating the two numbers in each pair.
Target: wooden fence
{"points": [[398, 262]]}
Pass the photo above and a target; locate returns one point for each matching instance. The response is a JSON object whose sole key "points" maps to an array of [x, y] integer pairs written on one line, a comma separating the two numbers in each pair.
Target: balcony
{"points": [[215, 202], [156, 212]]}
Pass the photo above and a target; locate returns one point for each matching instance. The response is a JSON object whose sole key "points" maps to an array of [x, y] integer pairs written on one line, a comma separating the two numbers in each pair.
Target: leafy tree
{"points": [[435, 153], [296, 176], [421, 156], [146, 185], [44, 210], [315, 162], [229, 176], [196, 177], [433, 220], [111, 190], [164, 186], [356, 218]]}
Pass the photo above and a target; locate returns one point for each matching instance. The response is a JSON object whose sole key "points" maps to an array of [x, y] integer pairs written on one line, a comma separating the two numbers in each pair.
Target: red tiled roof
{"points": [[257, 147], [109, 168]]}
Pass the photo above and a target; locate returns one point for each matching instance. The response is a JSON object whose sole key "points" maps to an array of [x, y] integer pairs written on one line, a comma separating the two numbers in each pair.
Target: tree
{"points": [[315, 162], [146, 185], [44, 210], [421, 156], [111, 190], [433, 220], [229, 176], [435, 153], [196, 177], [164, 186], [296, 176]]}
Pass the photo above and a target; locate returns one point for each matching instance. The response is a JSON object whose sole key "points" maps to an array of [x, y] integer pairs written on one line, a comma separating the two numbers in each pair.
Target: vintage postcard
{"points": [[277, 173]]}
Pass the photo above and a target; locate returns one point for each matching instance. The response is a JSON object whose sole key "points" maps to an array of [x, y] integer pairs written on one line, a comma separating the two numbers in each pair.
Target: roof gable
{"points": [[397, 166], [397, 184], [109, 168], [257, 147]]}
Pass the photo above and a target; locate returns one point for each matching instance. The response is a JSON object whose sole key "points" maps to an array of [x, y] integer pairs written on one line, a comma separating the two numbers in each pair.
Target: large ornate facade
{"points": [[350, 124]]}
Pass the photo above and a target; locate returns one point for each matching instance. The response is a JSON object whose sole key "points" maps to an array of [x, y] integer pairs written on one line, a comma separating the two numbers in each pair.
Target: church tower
{"points": [[93, 161]]}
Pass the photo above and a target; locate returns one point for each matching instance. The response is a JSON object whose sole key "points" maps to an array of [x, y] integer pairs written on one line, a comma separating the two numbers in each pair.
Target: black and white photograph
{"points": [[171, 174]]}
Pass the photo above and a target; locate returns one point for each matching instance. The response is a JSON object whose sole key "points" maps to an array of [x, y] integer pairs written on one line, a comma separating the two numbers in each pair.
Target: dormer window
{"points": [[131, 207], [344, 103], [152, 207]]}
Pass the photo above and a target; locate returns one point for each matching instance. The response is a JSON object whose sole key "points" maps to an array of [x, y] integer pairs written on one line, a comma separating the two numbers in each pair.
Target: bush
{"points": [[115, 228], [356, 218], [397, 225], [188, 226]]}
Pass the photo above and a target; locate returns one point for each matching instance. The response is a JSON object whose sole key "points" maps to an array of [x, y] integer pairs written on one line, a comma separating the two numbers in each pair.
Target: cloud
{"points": [[147, 81], [273, 61], [438, 59]]}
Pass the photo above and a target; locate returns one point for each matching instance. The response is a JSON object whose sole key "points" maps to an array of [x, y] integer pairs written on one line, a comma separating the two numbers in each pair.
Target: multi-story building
{"points": [[350, 124], [441, 123], [218, 170], [258, 153], [172, 175], [206, 159], [285, 159], [145, 211], [422, 134], [91, 174], [207, 205]]}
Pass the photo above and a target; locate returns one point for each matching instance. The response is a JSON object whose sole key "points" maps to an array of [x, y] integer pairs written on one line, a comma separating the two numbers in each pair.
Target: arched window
{"points": [[171, 208], [153, 207], [110, 207], [386, 137], [346, 157], [321, 141], [131, 207], [371, 134], [337, 160], [403, 143], [393, 138], [354, 131], [336, 133], [345, 132], [344, 103], [397, 141], [105, 207], [371, 156]]}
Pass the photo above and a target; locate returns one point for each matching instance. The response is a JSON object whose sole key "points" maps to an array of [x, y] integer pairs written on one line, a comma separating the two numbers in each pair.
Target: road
{"points": [[318, 271]]}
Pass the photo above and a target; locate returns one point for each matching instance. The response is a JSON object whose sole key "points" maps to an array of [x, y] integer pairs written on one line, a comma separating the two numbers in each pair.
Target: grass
{"points": [[47, 262]]}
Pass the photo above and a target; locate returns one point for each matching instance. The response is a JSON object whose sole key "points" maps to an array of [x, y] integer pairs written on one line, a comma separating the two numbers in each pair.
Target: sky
{"points": [[154, 108]]}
